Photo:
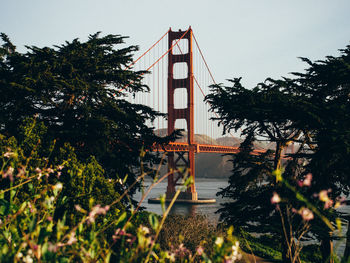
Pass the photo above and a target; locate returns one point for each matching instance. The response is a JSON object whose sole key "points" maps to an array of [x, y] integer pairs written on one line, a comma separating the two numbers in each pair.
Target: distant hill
{"points": [[208, 164], [215, 164]]}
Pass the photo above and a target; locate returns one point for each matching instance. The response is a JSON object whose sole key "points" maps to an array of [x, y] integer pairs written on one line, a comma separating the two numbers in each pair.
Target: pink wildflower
{"points": [[9, 173], [72, 239], [31, 207], [118, 232], [52, 248], [306, 214], [323, 196], [328, 204], [38, 171], [275, 199], [181, 251], [199, 250], [21, 171], [8, 154], [78, 208], [97, 210], [172, 256], [307, 180]]}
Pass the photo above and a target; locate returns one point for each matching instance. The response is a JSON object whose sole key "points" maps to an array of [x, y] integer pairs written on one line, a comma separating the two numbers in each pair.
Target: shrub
{"points": [[191, 231], [64, 210]]}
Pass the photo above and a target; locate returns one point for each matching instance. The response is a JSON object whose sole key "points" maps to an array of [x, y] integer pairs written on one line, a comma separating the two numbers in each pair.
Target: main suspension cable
{"points": [[205, 62], [126, 86], [133, 63]]}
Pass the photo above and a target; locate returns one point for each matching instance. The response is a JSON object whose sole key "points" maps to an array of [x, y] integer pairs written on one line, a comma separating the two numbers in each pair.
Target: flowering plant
{"points": [[32, 228]]}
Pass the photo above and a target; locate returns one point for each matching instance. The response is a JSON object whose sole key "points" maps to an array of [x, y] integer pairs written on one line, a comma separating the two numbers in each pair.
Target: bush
{"points": [[191, 231]]}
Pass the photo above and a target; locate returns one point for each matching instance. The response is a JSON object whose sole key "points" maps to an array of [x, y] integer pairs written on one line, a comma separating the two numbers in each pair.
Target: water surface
{"points": [[207, 188]]}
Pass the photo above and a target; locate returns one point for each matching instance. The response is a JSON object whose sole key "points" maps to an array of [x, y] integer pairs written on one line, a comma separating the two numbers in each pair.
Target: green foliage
{"points": [[90, 227], [78, 91], [86, 186], [328, 86], [311, 110], [83, 181], [265, 246], [249, 191]]}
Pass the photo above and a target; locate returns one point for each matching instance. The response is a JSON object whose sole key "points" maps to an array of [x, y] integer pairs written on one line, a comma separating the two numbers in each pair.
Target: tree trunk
{"points": [[278, 153], [286, 257], [327, 249]]}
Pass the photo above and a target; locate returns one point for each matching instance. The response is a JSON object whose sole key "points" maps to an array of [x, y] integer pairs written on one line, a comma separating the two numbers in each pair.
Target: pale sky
{"points": [[253, 39]]}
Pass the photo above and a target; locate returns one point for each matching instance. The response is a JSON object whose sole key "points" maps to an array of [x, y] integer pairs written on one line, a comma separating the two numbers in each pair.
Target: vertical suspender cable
{"points": [[158, 92], [153, 90], [163, 87]]}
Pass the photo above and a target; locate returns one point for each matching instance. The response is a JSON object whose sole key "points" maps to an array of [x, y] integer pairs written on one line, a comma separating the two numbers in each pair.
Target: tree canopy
{"points": [[78, 90], [311, 109]]}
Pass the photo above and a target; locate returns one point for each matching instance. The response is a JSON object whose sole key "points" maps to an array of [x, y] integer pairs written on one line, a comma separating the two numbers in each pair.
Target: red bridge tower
{"points": [[187, 158]]}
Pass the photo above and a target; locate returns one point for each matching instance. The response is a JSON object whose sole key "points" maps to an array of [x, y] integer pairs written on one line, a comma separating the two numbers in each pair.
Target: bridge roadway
{"points": [[199, 148]]}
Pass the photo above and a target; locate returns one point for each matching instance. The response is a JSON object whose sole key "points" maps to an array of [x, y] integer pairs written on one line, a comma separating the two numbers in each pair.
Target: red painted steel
{"points": [[186, 113], [199, 148], [185, 151]]}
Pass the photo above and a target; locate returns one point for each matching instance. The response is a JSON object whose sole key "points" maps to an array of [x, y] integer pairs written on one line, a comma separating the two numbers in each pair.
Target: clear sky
{"points": [[254, 39]]}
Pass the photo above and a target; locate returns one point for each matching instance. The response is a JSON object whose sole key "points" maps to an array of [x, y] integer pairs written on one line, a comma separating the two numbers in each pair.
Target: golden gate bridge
{"points": [[179, 79]]}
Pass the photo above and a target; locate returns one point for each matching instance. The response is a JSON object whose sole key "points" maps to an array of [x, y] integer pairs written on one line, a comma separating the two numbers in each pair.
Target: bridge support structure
{"points": [[180, 162], [181, 155]]}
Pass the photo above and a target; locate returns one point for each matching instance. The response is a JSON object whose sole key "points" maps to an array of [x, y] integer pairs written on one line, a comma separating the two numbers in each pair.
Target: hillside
{"points": [[215, 164]]}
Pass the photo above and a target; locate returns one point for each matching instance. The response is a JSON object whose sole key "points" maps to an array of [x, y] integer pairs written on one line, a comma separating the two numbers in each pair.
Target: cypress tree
{"points": [[78, 90]]}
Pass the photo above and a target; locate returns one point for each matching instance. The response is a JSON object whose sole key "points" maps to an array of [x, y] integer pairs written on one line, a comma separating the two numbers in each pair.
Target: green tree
{"points": [[78, 90], [269, 112], [249, 191], [327, 84], [312, 109]]}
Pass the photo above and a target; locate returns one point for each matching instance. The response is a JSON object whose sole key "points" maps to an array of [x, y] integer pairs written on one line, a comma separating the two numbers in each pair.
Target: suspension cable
{"points": [[126, 86], [133, 63], [211, 75], [205, 62]]}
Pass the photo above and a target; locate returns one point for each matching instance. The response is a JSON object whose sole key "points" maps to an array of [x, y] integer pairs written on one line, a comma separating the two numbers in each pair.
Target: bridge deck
{"points": [[198, 148]]}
